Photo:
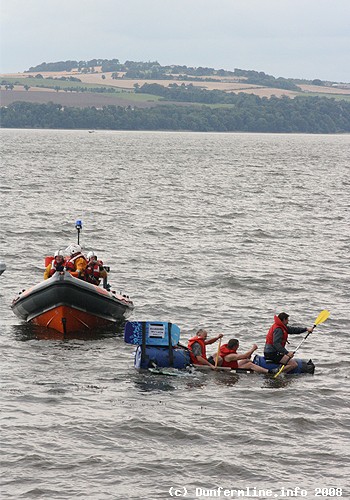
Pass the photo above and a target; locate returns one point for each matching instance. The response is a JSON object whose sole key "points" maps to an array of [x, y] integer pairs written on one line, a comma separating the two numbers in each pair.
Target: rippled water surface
{"points": [[213, 230]]}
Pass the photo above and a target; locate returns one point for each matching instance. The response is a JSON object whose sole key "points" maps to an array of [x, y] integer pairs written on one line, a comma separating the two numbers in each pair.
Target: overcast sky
{"points": [[290, 38]]}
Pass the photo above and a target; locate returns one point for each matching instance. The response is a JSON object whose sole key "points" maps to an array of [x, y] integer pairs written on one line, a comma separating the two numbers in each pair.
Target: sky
{"points": [[288, 38]]}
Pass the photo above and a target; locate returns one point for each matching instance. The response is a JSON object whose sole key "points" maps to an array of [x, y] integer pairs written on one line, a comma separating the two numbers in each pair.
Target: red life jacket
{"points": [[92, 273], [55, 266], [277, 324], [224, 351], [203, 348]]}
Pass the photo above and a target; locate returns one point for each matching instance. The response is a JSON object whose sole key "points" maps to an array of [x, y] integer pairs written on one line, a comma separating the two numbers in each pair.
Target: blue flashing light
{"points": [[79, 224]]}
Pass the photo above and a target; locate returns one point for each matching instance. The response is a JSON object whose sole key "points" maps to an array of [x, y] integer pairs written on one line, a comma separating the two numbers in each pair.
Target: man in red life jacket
{"points": [[197, 347], [57, 264], [276, 340], [94, 270], [228, 357], [76, 262]]}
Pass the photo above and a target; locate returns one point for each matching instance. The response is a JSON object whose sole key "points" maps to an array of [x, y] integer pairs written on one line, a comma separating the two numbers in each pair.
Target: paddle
{"points": [[320, 319], [217, 354]]}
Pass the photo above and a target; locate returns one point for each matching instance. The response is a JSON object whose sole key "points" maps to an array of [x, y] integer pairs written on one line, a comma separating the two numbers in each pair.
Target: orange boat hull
{"points": [[67, 304], [66, 320]]}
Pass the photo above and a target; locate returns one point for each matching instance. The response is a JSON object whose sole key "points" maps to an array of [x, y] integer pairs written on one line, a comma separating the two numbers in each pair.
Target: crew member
{"points": [[228, 357], [76, 262], [57, 264], [94, 270], [197, 347], [277, 338]]}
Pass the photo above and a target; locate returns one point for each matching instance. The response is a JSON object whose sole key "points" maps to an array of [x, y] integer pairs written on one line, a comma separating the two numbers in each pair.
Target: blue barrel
{"points": [[160, 356], [303, 366]]}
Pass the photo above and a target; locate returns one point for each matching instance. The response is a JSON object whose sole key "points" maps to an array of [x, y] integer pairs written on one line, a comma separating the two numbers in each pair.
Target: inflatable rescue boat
{"points": [[68, 304]]}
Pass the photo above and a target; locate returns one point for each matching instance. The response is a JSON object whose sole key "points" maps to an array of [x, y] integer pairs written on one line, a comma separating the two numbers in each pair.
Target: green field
{"points": [[68, 86], [98, 88], [51, 83]]}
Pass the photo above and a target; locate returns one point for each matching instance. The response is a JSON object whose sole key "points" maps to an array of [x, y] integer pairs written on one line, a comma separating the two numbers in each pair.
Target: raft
{"points": [[158, 347], [161, 358]]}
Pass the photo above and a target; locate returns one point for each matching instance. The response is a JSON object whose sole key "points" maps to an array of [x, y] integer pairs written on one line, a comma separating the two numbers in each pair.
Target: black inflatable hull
{"points": [[68, 304]]}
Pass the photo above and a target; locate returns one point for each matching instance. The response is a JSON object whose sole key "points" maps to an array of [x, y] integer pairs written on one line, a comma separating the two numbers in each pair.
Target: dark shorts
{"points": [[274, 357]]}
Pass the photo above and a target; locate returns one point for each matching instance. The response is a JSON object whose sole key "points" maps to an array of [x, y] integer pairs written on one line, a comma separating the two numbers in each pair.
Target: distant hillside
{"points": [[152, 70], [111, 76], [108, 94]]}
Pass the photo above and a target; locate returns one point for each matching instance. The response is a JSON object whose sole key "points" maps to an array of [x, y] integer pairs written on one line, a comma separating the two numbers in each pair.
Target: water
{"points": [[213, 230]]}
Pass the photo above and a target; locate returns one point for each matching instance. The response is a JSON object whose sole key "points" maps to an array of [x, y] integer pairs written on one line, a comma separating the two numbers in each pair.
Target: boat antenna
{"points": [[78, 227]]}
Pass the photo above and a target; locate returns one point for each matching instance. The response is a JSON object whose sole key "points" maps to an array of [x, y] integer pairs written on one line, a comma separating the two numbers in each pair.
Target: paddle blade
{"points": [[217, 354], [322, 317], [279, 371]]}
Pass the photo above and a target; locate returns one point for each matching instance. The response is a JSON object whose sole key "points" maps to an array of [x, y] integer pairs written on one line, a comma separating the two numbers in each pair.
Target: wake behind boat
{"points": [[68, 304]]}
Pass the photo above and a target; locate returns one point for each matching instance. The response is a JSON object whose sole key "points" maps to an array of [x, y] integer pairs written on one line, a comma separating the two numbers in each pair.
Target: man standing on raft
{"points": [[276, 340]]}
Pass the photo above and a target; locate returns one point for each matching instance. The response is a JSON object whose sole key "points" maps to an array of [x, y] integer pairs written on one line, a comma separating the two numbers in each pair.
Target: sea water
{"points": [[220, 231]]}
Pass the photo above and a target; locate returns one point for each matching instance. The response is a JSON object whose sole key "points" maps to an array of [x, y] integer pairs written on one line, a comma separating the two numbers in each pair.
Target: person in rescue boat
{"points": [[76, 262], [276, 339], [57, 264], [94, 270], [228, 357], [197, 347]]}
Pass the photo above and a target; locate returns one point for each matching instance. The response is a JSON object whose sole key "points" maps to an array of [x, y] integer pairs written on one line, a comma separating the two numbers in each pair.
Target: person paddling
{"points": [[276, 339], [197, 347]]}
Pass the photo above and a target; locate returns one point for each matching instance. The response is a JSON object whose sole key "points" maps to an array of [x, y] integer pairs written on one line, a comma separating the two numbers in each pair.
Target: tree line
{"points": [[249, 113], [109, 65]]}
